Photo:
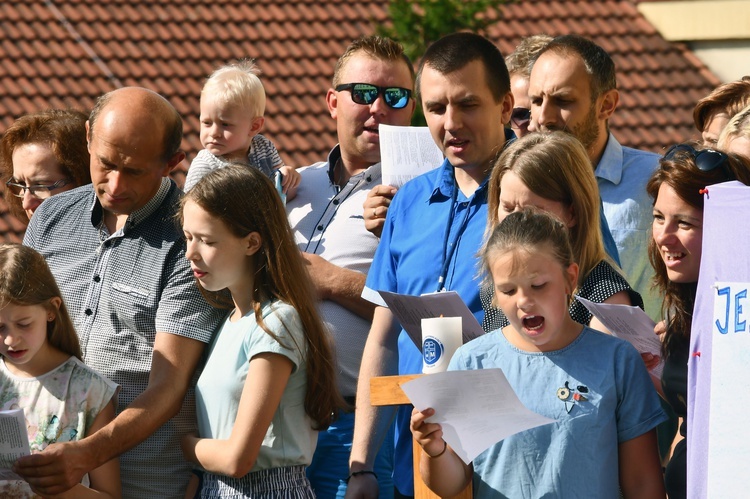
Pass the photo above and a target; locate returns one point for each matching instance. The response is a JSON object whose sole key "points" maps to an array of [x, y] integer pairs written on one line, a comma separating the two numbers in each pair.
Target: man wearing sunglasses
{"points": [[372, 85], [518, 68], [433, 231], [573, 88]]}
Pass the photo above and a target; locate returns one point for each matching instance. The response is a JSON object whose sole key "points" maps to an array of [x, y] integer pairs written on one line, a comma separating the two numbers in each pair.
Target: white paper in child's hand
{"points": [[476, 409]]}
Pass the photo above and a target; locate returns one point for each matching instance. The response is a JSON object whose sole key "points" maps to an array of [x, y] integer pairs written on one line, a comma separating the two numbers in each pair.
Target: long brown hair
{"points": [[25, 279], [555, 166], [681, 174], [246, 201]]}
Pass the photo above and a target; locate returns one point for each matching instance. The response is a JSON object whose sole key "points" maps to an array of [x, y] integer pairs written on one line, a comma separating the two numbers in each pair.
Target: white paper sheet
{"points": [[730, 398], [629, 323], [406, 152], [14, 442], [476, 409], [409, 310]]}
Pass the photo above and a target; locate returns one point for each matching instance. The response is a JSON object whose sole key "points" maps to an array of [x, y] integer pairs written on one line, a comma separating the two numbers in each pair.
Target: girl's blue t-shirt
{"points": [[290, 439], [599, 392]]}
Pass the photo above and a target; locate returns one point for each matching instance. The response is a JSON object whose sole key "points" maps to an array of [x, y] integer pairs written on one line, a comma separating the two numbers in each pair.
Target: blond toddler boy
{"points": [[232, 105]]}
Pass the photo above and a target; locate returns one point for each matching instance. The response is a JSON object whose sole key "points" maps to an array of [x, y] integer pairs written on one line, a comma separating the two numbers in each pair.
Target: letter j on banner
{"points": [[729, 440]]}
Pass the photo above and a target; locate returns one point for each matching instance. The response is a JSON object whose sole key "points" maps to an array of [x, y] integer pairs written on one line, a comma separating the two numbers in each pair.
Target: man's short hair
{"points": [[599, 65], [455, 51], [729, 98], [377, 47], [519, 61], [237, 84], [172, 124]]}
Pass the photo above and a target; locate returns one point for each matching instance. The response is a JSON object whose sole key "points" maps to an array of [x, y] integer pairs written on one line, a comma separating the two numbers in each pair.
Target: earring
{"points": [[50, 318]]}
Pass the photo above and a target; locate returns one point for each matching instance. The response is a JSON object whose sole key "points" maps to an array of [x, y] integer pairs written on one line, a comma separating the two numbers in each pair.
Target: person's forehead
{"points": [[566, 69], [362, 65], [470, 78], [122, 136]]}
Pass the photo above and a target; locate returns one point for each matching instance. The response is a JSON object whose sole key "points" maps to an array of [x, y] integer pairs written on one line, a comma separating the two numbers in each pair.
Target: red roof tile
{"points": [[172, 45]]}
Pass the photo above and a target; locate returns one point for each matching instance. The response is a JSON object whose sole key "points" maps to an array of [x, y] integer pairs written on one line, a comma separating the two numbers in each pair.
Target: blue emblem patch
{"points": [[432, 350]]}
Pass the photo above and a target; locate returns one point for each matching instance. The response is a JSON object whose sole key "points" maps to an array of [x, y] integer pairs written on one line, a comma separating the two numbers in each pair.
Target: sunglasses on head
{"points": [[520, 116], [705, 159], [366, 94]]}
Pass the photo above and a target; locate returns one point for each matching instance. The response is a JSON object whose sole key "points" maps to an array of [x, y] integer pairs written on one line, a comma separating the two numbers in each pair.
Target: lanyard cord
{"points": [[448, 253]]}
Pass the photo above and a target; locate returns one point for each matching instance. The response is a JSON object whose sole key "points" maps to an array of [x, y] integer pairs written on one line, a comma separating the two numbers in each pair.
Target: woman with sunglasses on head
{"points": [[675, 254], [43, 154]]}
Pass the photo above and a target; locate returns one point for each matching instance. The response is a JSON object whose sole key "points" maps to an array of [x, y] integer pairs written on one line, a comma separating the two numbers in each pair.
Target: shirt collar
{"points": [[610, 165], [372, 172], [138, 215], [445, 182]]}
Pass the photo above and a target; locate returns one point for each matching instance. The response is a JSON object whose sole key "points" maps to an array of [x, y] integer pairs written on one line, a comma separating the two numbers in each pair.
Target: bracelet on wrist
{"points": [[361, 472], [445, 447]]}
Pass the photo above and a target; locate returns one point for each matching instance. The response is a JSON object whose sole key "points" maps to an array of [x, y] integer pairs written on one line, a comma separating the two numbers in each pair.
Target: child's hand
{"points": [[660, 328], [290, 181], [428, 435]]}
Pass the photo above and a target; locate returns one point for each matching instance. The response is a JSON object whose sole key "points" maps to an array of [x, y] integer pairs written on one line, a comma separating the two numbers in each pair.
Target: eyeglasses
{"points": [[366, 94], [520, 117], [38, 191], [705, 159]]}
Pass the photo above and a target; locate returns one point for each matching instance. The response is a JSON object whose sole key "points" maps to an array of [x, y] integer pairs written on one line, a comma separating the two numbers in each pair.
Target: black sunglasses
{"points": [[705, 159], [520, 116], [366, 94]]}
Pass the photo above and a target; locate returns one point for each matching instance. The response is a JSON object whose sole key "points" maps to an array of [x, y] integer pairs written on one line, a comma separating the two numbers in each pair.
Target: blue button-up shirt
{"points": [[432, 230], [622, 175]]}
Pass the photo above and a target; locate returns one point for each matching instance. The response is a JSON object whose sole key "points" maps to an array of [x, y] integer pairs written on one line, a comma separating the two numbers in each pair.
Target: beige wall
{"points": [[718, 31]]}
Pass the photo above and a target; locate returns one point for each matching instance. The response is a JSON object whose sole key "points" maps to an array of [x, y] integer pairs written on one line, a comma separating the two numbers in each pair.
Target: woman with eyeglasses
{"points": [[43, 154], [675, 254]]}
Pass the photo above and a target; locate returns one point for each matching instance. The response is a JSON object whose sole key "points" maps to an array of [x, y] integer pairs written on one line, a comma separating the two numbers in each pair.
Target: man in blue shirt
{"points": [[433, 230], [573, 88]]}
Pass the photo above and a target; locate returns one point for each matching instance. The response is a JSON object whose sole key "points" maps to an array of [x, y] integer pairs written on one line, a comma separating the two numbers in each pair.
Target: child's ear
{"points": [[572, 274], [254, 243], [257, 124], [53, 308]]}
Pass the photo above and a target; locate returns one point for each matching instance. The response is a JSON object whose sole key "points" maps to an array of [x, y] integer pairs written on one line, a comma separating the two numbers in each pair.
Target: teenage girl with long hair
{"points": [[269, 381]]}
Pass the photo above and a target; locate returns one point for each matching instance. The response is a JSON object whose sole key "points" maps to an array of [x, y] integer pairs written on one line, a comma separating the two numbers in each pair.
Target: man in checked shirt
{"points": [[119, 258]]}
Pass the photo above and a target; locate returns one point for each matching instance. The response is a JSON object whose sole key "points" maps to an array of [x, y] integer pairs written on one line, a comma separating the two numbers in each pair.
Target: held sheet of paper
{"points": [[476, 409], [629, 323], [14, 442], [409, 310], [406, 152]]}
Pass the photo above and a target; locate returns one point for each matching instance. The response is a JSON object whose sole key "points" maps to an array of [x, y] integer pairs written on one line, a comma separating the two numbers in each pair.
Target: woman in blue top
{"points": [[269, 382], [594, 385]]}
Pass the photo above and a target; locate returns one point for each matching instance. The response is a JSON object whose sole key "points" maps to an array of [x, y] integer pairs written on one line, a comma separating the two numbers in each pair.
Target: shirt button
{"points": [[88, 311], [97, 278], [320, 227], [335, 201]]}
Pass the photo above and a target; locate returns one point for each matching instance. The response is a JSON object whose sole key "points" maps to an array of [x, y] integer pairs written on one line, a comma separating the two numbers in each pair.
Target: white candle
{"points": [[441, 337]]}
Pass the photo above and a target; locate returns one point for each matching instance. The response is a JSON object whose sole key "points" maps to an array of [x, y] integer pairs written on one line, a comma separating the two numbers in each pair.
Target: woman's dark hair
{"points": [[681, 173]]}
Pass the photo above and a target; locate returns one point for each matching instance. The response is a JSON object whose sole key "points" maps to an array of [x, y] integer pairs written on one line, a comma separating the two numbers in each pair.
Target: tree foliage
{"points": [[418, 23]]}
